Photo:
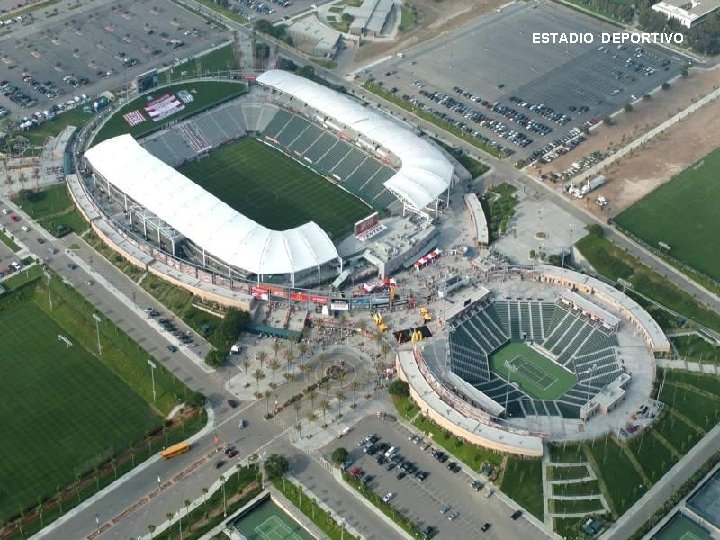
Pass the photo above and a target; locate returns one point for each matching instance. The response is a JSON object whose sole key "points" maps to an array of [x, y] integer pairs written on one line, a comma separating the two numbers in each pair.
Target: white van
{"points": [[390, 452]]}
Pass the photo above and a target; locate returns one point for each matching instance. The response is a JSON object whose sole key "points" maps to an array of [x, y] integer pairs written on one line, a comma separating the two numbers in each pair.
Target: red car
{"points": [[355, 471], [15, 217]]}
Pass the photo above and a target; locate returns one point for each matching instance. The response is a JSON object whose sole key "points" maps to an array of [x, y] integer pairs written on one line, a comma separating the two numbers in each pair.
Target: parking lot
{"points": [[89, 48], [433, 501], [493, 81]]}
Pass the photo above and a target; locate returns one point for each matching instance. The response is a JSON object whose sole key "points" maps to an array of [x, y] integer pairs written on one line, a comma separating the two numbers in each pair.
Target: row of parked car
{"points": [[558, 147], [169, 326], [501, 129], [545, 111], [508, 112]]}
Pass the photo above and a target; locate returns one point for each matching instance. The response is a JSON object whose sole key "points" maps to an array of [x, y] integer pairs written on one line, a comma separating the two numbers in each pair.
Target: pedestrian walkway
{"points": [[684, 365]]}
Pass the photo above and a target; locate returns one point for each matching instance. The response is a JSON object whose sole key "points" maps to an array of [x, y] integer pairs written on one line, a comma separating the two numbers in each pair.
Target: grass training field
{"points": [[540, 377], [272, 189], [682, 214], [62, 410]]}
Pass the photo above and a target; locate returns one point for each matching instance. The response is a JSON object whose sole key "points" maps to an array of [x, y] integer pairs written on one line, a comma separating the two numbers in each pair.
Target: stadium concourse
{"points": [[535, 353], [383, 163]]}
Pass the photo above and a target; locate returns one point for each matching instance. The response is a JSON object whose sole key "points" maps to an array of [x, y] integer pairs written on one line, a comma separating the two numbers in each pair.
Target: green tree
{"points": [[339, 455], [276, 466], [399, 388]]}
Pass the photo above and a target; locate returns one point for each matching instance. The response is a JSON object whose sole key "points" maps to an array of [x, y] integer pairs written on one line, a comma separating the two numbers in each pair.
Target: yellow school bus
{"points": [[175, 450]]}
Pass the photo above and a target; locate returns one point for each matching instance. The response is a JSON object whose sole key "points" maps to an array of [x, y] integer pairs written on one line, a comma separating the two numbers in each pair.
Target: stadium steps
{"points": [[321, 147], [345, 167], [265, 116], [547, 310], [361, 176], [333, 156], [575, 345], [478, 335], [236, 121], [598, 341], [382, 200], [278, 123], [251, 114], [514, 410], [498, 331], [514, 317], [291, 131], [557, 316], [525, 320], [306, 140], [568, 335], [536, 320], [568, 411], [559, 330]]}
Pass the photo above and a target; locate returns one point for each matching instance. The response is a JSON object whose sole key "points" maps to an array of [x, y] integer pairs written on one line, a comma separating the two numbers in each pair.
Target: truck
{"points": [[591, 185]]}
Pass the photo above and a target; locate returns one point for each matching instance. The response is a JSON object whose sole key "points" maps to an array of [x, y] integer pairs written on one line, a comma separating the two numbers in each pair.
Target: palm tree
{"points": [[59, 498], [289, 356], [274, 366], [303, 348], [113, 460], [246, 365], [377, 338], [169, 516], [385, 349], [340, 398], [325, 406], [311, 416], [327, 385], [40, 508], [276, 347], [341, 375], [187, 506], [322, 359], [305, 370], [312, 396], [259, 374], [262, 356], [298, 407], [148, 440], [267, 395], [96, 471], [132, 455], [362, 325], [205, 492], [151, 529], [354, 386]]}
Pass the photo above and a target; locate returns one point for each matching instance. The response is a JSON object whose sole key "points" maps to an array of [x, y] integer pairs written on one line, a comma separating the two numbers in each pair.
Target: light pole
{"points": [[153, 366], [342, 530], [222, 484], [47, 275], [97, 330]]}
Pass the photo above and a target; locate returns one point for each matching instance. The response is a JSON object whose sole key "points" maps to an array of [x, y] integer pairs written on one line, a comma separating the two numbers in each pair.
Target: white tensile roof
{"points": [[425, 172], [203, 218]]}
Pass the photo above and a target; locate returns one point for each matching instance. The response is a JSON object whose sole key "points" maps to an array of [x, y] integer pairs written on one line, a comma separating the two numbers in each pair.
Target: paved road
{"points": [[324, 486]]}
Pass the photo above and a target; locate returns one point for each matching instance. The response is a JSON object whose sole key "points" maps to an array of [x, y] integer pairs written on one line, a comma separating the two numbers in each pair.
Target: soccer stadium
{"points": [[264, 188], [534, 353]]}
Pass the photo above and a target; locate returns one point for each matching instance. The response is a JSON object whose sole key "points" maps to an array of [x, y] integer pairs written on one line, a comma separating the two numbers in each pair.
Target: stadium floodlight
{"points": [[153, 366], [97, 331]]}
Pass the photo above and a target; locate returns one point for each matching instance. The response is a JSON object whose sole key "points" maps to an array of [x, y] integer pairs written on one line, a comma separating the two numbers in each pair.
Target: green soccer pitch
{"points": [[272, 189], [683, 214], [537, 375], [61, 409]]}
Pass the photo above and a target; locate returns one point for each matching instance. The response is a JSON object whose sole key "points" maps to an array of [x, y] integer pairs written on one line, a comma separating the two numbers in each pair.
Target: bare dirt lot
{"points": [[435, 17], [658, 161]]}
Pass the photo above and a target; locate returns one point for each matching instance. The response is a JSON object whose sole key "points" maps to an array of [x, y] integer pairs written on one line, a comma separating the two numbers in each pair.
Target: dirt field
{"points": [[435, 17], [635, 176]]}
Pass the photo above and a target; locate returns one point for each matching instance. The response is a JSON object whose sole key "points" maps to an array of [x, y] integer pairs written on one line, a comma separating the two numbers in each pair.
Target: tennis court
{"points": [[706, 501], [681, 527], [535, 374], [268, 521]]}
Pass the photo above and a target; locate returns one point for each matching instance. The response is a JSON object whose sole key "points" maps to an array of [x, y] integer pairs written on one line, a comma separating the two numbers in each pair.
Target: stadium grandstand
{"points": [[385, 164], [534, 352]]}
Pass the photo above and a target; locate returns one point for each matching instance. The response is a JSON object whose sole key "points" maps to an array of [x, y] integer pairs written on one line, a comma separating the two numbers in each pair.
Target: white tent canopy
{"points": [[203, 218], [425, 172]]}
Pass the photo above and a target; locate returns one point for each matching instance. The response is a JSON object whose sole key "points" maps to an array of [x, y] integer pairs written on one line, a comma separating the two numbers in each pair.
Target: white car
{"points": [[389, 496]]}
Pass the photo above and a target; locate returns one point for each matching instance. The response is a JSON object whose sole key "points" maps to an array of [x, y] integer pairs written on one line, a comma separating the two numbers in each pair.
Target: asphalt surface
{"points": [[90, 40], [422, 501], [494, 58]]}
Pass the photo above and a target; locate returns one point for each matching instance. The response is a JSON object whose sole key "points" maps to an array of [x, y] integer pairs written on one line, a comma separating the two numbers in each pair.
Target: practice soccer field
{"points": [[537, 375], [272, 189], [61, 409], [683, 214]]}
